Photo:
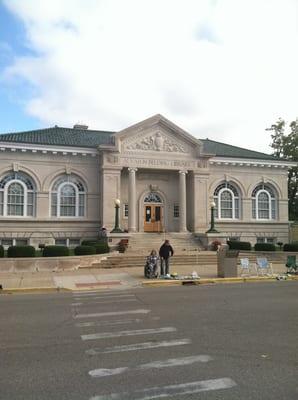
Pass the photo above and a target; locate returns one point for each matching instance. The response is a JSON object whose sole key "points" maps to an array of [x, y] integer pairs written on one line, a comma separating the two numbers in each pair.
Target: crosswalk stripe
{"points": [[172, 362], [171, 390], [96, 292], [111, 313], [104, 335], [109, 302], [105, 297], [108, 323], [138, 346], [112, 301]]}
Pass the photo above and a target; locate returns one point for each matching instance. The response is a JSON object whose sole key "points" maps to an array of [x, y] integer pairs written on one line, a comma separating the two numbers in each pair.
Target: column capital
{"points": [[132, 169], [183, 172]]}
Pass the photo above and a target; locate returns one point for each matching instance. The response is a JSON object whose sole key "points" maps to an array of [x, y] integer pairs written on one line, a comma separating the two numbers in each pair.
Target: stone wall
{"points": [[49, 263]]}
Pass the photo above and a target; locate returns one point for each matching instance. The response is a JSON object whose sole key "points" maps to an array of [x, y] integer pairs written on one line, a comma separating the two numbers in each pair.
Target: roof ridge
{"points": [[54, 128]]}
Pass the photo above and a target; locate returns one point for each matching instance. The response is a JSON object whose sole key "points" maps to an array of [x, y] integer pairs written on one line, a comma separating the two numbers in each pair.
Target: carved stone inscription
{"points": [[144, 162]]}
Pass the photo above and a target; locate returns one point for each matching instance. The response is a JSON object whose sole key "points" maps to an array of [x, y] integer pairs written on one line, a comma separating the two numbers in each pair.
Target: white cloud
{"points": [[225, 69]]}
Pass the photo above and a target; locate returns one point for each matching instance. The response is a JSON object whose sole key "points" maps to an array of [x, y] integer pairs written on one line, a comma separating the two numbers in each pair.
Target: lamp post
{"points": [[212, 229], [117, 228]]}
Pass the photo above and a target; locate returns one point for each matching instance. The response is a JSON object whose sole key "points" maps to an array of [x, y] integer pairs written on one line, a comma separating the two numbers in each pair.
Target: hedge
{"points": [[20, 251], [265, 247], [93, 242], [291, 246], [1, 251], [55, 251], [237, 245], [102, 248], [84, 250]]}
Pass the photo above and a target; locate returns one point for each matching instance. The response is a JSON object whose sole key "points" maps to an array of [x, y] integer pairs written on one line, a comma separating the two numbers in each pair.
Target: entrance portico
{"points": [[158, 163]]}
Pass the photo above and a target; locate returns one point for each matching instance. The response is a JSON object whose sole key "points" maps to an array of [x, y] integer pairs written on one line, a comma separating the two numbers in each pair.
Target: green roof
{"points": [[58, 136], [74, 137], [227, 150]]}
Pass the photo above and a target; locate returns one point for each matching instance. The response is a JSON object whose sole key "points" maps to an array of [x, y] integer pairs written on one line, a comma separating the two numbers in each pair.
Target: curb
{"points": [[34, 290], [157, 283]]}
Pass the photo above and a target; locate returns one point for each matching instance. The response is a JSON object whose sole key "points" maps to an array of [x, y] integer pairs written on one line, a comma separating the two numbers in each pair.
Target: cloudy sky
{"points": [[222, 69]]}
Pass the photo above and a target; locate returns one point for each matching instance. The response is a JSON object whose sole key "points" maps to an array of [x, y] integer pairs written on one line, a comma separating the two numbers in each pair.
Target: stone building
{"points": [[58, 185]]}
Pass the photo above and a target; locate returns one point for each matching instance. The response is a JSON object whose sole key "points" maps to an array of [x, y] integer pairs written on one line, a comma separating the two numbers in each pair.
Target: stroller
{"points": [[150, 269]]}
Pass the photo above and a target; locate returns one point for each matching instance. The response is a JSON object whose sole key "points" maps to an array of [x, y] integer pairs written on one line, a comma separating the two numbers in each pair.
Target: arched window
{"points": [[68, 197], [226, 198], [17, 195], [152, 198], [264, 202]]}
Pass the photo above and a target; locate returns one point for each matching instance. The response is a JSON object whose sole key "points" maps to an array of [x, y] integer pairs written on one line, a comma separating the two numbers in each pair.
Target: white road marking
{"points": [[110, 313], [172, 362], [76, 304], [96, 292], [105, 297], [138, 346], [104, 335], [111, 302], [171, 390], [109, 323]]}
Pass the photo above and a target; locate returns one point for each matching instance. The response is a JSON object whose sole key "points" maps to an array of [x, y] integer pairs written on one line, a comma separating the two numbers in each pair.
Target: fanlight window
{"points": [[152, 198], [17, 195], [68, 197], [264, 204], [226, 198]]}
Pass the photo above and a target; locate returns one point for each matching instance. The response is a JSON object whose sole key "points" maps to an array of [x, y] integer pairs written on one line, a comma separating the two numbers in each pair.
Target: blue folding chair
{"points": [[245, 267], [264, 267]]}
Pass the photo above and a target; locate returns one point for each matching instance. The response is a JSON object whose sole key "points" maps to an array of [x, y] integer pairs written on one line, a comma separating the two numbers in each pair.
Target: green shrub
{"points": [[55, 251], [84, 250], [20, 251], [291, 246], [237, 245], [1, 251], [265, 247], [92, 242], [102, 248]]}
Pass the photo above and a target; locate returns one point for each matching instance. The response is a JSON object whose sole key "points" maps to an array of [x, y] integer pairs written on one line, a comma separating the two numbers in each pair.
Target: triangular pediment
{"points": [[157, 134]]}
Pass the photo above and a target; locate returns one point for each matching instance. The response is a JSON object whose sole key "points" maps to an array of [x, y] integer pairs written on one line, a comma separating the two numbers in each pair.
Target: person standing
{"points": [[165, 252]]}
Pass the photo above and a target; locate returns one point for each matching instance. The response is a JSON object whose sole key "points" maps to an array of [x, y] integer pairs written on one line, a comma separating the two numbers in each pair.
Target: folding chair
{"points": [[245, 267], [292, 266], [264, 267]]}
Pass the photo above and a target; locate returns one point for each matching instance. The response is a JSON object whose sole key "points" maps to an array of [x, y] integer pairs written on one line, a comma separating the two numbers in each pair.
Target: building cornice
{"points": [[240, 162], [47, 149]]}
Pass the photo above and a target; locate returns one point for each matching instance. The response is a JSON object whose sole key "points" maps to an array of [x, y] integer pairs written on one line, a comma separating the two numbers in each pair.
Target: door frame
{"points": [[154, 205], [164, 205]]}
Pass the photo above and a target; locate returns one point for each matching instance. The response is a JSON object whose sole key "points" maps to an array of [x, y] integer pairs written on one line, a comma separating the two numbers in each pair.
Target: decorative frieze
{"points": [[156, 142]]}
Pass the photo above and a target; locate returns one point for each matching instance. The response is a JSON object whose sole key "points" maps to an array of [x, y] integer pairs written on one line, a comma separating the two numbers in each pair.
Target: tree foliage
{"points": [[285, 146]]}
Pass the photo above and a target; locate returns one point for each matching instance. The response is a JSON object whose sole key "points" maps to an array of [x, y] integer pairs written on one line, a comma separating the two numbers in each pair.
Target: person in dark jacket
{"points": [[165, 252]]}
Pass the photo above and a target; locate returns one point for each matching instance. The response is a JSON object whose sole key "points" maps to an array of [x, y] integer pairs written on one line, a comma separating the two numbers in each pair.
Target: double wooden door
{"points": [[153, 217]]}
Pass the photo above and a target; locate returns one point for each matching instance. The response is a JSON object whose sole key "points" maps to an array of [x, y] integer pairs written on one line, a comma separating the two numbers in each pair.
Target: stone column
{"points": [[132, 199], [182, 201]]}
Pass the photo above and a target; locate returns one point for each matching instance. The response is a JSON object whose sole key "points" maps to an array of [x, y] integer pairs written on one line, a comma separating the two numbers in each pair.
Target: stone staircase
{"points": [[126, 261], [143, 243], [187, 251]]}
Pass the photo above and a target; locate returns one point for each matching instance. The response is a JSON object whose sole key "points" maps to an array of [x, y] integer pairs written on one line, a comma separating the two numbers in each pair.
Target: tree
{"points": [[285, 146]]}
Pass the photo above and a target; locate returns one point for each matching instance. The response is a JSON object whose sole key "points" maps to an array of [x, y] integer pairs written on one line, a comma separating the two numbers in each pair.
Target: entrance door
{"points": [[153, 218]]}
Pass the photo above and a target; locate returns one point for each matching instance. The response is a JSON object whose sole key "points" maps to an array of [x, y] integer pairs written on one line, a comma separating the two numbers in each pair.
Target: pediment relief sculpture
{"points": [[157, 142]]}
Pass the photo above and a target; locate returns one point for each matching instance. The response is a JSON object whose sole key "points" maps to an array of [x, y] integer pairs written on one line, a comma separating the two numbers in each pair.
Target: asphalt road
{"points": [[227, 342]]}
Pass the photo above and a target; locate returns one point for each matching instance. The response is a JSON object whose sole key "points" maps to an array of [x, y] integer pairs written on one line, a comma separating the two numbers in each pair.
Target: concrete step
{"points": [[125, 260]]}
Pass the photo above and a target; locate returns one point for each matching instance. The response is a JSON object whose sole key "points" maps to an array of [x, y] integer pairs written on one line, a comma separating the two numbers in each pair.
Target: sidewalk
{"points": [[91, 278]]}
